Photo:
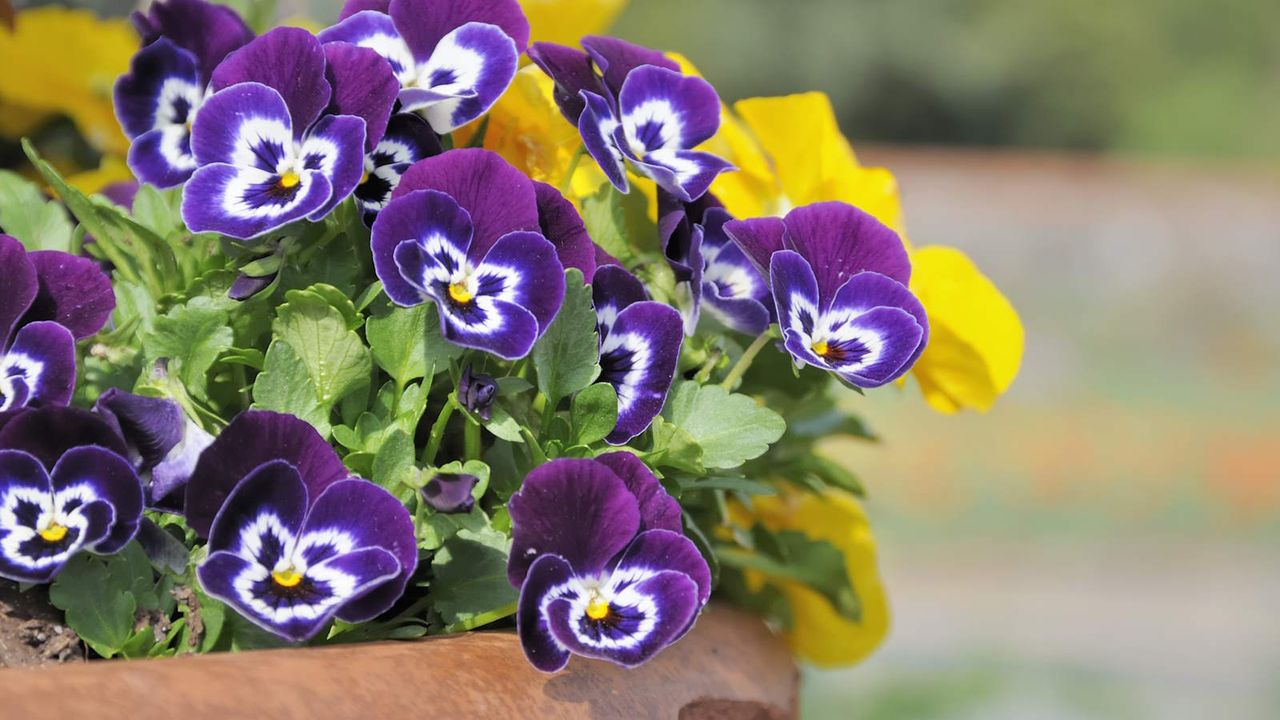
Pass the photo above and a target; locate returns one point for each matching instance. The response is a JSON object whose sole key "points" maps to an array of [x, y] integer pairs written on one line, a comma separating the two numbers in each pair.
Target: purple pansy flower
{"points": [[168, 80], [453, 60], [639, 348], [293, 539], [266, 149], [50, 300], [639, 110], [839, 280], [603, 569], [462, 231], [710, 266], [450, 492], [65, 487]]}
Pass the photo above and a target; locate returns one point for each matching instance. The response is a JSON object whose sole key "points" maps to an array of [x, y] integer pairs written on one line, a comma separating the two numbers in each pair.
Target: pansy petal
{"points": [[486, 323], [468, 71], [598, 126], [152, 426], [244, 585], [563, 226], [20, 288], [759, 238], [616, 58], [742, 314], [639, 359], [288, 60], [28, 557], [654, 551], [874, 347], [795, 291], [363, 85], [49, 432], [572, 72], [612, 290], [425, 23], [658, 510], [375, 31], [43, 359], [246, 202], [500, 198], [95, 473], [163, 157], [351, 7], [160, 90], [523, 268], [334, 148], [74, 292], [374, 570], [208, 30], [432, 222], [175, 470], [643, 619], [733, 287], [263, 515], [547, 574], [840, 240], [662, 109], [687, 174], [372, 517], [247, 125], [577, 509], [253, 438]]}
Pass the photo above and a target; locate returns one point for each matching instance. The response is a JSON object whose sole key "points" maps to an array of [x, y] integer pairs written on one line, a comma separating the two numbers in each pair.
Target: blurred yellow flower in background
{"points": [[63, 61], [566, 21], [818, 633], [111, 170]]}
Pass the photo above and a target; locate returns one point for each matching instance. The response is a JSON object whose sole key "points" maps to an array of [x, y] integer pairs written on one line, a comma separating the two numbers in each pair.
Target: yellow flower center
{"points": [[598, 609], [53, 533], [287, 577], [460, 293], [290, 179], [821, 348], [364, 177]]}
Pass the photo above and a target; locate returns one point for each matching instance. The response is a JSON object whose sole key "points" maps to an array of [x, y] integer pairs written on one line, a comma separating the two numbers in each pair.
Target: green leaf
{"points": [[730, 483], [336, 360], [284, 385], [791, 555], [470, 576], [190, 337], [159, 210], [675, 448], [27, 216], [502, 425], [393, 466], [730, 428], [398, 340], [594, 413], [615, 221], [567, 356], [98, 597]]}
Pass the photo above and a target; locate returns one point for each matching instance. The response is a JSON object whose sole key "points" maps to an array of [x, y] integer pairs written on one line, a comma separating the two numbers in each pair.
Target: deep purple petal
{"points": [[246, 202], [840, 241], [867, 290], [247, 125], [163, 157], [687, 174], [209, 31], [450, 493], [467, 72], [523, 268], [334, 148], [20, 285], [375, 31], [351, 7], [49, 432], [899, 337], [616, 58], [577, 509], [253, 438], [612, 290], [151, 426], [563, 226], [162, 89], [639, 358], [288, 60], [434, 223], [642, 621], [372, 517], [654, 551], [598, 126], [363, 85], [795, 290], [424, 23], [664, 110], [109, 478], [177, 466], [42, 361], [272, 489], [545, 576], [499, 198], [496, 326], [759, 238], [733, 288], [572, 72], [658, 510], [74, 292]]}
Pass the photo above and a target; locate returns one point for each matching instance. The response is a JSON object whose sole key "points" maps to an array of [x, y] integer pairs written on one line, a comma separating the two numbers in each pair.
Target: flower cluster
{"points": [[368, 334]]}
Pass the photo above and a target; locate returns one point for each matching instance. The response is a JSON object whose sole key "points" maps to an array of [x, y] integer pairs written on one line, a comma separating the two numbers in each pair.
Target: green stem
{"points": [[437, 431], [472, 440], [744, 363], [705, 371], [566, 183], [537, 455], [482, 619]]}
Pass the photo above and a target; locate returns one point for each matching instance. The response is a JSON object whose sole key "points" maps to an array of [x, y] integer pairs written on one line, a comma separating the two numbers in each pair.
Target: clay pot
{"points": [[729, 666]]}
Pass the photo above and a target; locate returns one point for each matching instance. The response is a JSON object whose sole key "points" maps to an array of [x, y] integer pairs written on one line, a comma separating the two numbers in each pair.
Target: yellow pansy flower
{"points": [[41, 76], [566, 21], [818, 633]]}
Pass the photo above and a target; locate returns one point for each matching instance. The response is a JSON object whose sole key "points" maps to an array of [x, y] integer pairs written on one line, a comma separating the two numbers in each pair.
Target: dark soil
{"points": [[31, 630]]}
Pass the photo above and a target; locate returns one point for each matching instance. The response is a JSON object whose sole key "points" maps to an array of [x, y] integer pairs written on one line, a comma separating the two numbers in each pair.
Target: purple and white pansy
{"points": [[50, 300], [274, 143], [711, 269], [639, 348], [603, 568], [839, 280], [640, 111], [62, 494], [408, 139], [294, 541], [453, 60], [463, 232], [168, 80]]}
